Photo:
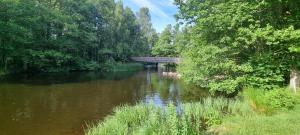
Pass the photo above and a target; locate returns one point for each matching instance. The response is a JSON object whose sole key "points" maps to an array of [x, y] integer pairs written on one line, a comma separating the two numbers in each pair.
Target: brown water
{"points": [[63, 104]]}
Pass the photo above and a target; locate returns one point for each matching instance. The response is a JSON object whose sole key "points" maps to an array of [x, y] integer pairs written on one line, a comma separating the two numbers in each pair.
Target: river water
{"points": [[65, 103]]}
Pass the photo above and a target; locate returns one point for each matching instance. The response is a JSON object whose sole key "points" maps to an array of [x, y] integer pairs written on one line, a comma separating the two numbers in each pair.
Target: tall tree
{"points": [[164, 45], [51, 36], [238, 43], [144, 19]]}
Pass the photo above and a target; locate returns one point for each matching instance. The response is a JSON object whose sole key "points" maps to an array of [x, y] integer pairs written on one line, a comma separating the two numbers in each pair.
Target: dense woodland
{"points": [[240, 43], [56, 35]]}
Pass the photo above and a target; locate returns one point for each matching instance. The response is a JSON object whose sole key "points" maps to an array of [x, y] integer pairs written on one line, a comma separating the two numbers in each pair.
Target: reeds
{"points": [[187, 119]]}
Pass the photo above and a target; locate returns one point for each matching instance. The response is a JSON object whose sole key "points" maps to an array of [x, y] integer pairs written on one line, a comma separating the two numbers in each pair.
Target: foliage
{"points": [[238, 43], [144, 19], [268, 102], [164, 46], [280, 99], [171, 42], [50, 36], [193, 118]]}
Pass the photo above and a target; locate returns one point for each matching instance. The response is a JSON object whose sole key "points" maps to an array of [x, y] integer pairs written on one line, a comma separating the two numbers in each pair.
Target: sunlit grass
{"points": [[248, 115], [282, 123], [191, 119]]}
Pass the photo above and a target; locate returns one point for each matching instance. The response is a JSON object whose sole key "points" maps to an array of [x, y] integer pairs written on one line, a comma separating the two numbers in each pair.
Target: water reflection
{"points": [[62, 104]]}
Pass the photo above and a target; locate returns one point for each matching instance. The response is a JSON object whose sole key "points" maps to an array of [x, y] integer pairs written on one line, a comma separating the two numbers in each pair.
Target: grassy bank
{"points": [[192, 119], [253, 112], [281, 123], [276, 112], [119, 67]]}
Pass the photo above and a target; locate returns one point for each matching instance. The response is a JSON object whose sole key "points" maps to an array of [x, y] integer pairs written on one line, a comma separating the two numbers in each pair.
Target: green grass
{"points": [[279, 122], [143, 119], [256, 99], [282, 123], [247, 115]]}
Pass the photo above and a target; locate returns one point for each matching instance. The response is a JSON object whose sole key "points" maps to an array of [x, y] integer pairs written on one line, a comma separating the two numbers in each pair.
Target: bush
{"points": [[280, 99]]}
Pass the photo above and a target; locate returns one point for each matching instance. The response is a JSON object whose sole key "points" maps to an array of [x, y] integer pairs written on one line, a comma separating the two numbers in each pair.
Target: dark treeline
{"points": [[66, 35]]}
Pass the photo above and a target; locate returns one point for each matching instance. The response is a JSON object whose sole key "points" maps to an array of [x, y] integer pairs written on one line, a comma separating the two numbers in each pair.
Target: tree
{"points": [[164, 45], [144, 19], [52, 36], [240, 43]]}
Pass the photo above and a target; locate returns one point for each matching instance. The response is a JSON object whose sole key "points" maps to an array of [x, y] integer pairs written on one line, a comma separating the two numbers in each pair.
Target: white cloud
{"points": [[155, 9]]}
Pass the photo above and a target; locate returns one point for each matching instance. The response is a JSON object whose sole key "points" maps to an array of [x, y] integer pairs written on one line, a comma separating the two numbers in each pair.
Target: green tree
{"points": [[238, 43], [51, 36], [164, 45], [144, 19]]}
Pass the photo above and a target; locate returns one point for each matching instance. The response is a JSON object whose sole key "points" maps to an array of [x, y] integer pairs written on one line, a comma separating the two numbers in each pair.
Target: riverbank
{"points": [[122, 67], [281, 123], [209, 116], [112, 67]]}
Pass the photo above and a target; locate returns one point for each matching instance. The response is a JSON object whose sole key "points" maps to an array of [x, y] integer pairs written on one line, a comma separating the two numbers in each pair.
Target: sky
{"points": [[162, 11]]}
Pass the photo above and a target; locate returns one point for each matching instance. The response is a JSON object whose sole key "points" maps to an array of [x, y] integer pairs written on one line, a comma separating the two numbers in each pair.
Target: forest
{"points": [[240, 43], [72, 35]]}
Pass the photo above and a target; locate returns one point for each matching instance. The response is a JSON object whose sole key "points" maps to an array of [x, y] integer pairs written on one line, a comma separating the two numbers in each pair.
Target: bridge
{"points": [[156, 59]]}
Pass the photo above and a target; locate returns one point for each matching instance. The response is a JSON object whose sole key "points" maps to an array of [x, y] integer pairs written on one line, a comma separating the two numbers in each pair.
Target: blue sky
{"points": [[162, 11]]}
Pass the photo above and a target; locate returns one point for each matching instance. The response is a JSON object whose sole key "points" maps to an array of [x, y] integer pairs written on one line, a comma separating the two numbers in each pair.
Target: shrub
{"points": [[280, 99]]}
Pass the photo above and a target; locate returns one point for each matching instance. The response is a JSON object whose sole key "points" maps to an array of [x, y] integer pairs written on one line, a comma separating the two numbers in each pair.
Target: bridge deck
{"points": [[156, 59]]}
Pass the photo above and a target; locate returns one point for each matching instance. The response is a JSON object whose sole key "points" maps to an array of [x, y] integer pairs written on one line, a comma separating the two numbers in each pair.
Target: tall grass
{"points": [[268, 102], [255, 98], [209, 116], [188, 119]]}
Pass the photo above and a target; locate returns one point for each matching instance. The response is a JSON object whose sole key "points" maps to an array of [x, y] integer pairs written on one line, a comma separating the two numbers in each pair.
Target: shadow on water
{"points": [[65, 103], [66, 77]]}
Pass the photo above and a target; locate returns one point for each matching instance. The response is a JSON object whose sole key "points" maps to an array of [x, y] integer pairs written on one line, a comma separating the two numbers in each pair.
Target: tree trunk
{"points": [[294, 80]]}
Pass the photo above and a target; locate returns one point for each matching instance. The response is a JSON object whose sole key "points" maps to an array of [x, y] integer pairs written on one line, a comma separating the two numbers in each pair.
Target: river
{"points": [[65, 103]]}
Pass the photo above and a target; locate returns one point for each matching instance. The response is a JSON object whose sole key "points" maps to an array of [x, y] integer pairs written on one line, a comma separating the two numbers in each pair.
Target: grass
{"points": [[249, 114], [279, 122], [283, 123], [190, 119], [256, 99]]}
